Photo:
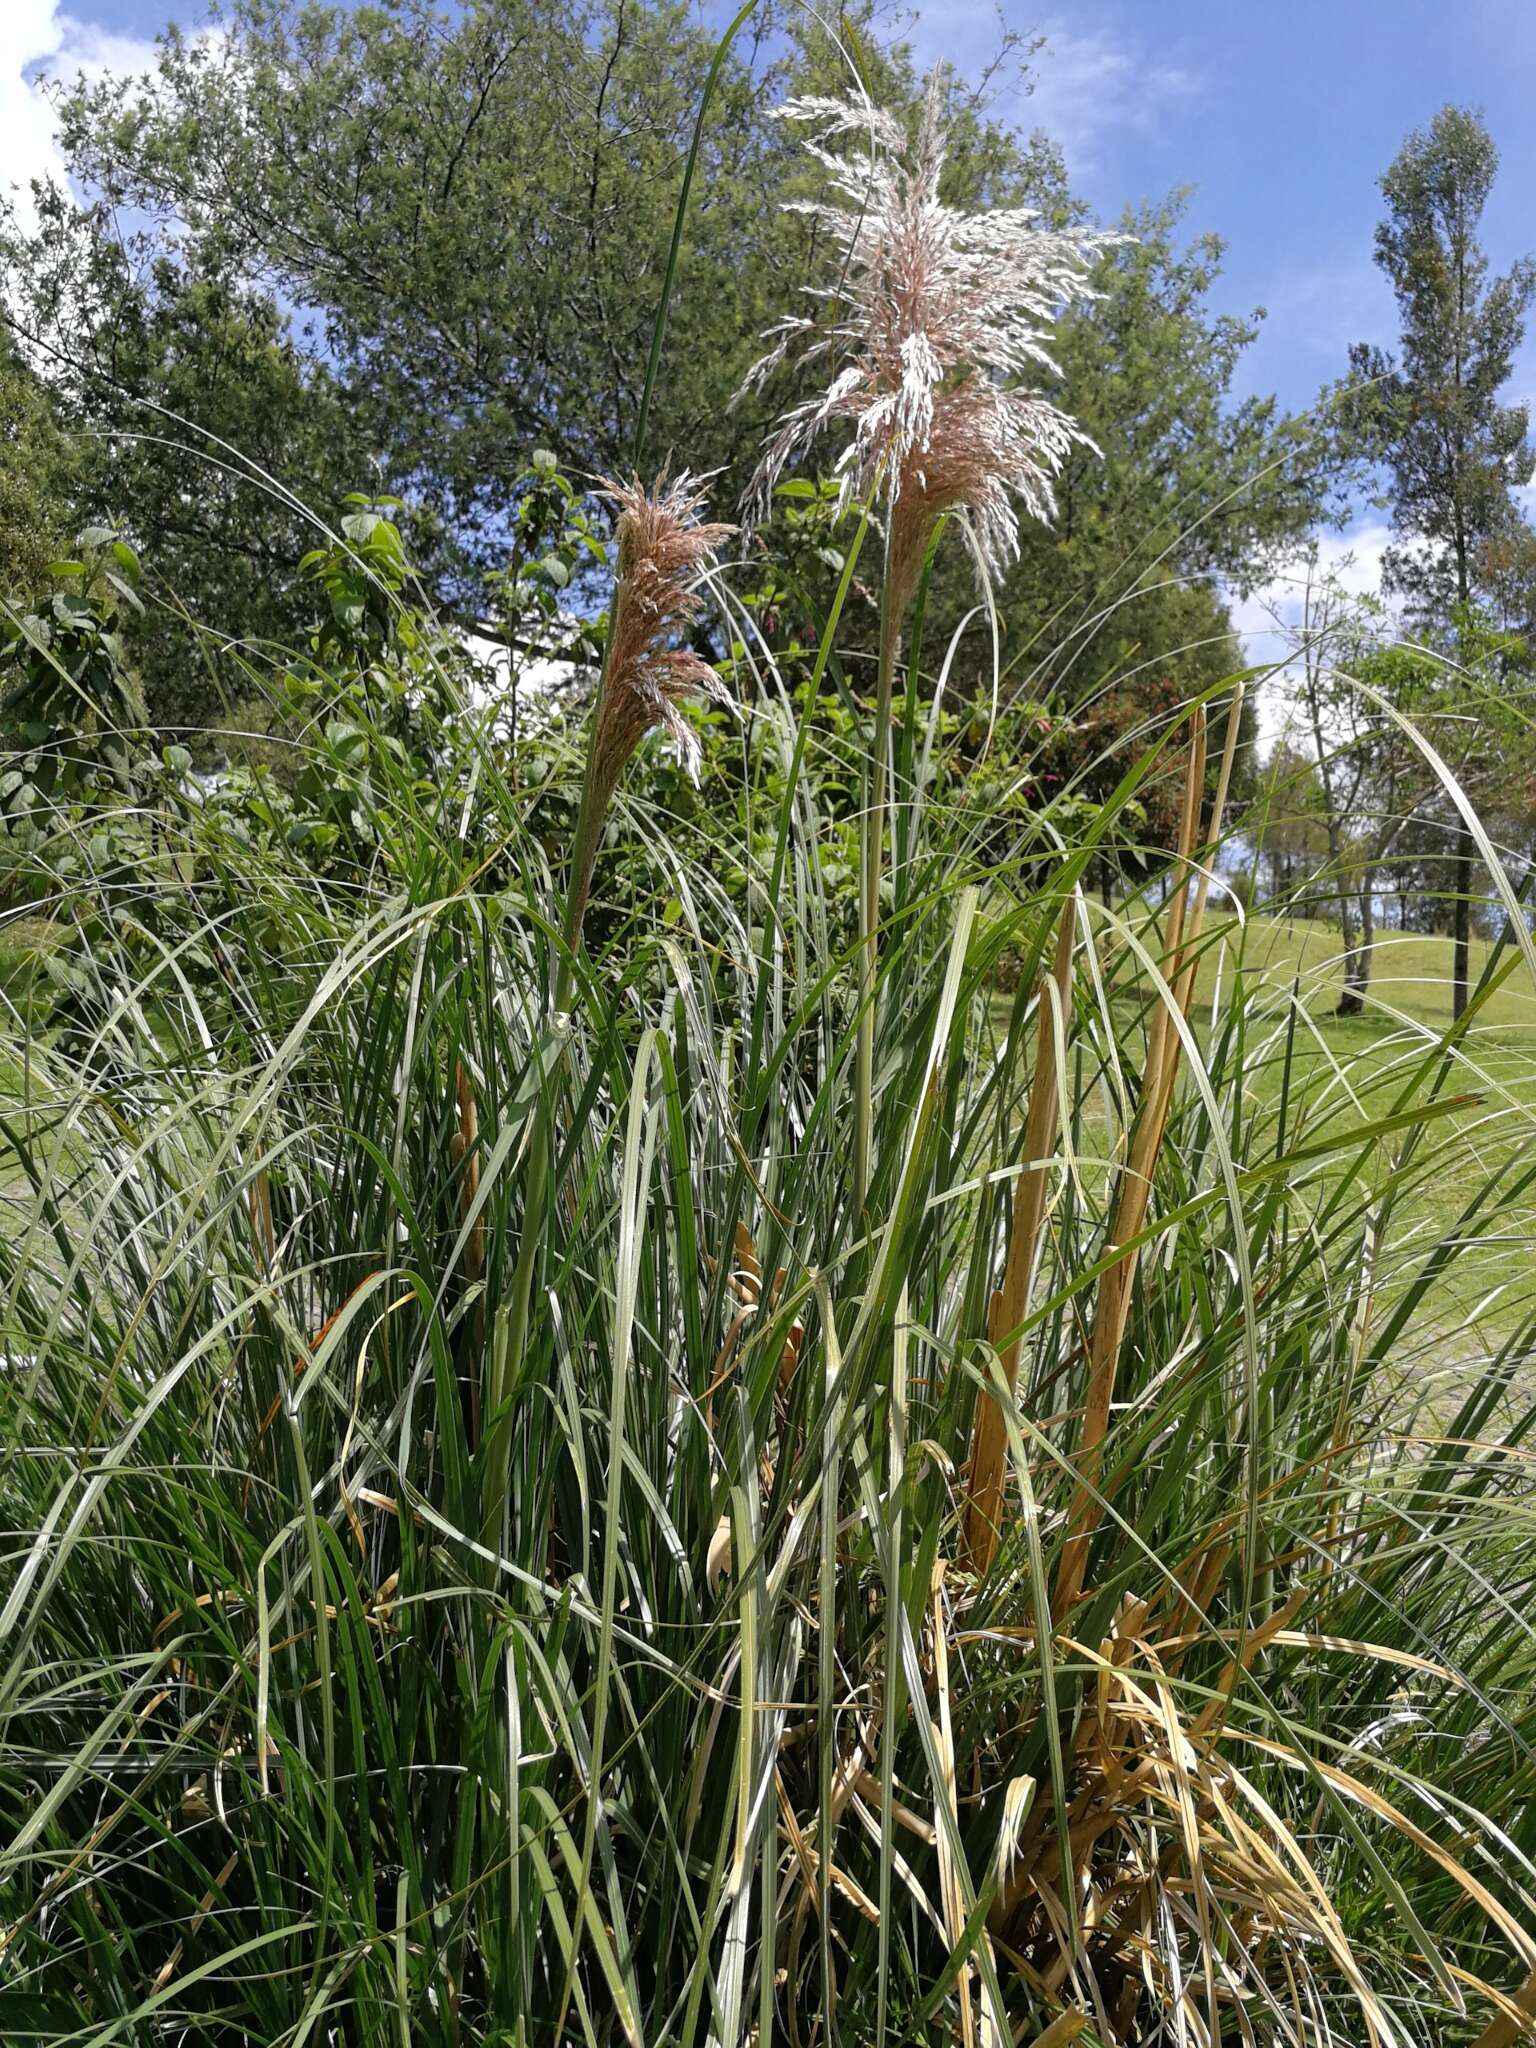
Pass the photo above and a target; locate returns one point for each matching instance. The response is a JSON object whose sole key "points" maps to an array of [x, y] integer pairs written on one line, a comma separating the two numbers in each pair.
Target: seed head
{"points": [[940, 312], [664, 548]]}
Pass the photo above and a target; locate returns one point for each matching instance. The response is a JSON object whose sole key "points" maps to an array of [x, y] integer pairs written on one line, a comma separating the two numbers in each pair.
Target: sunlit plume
{"points": [[936, 314]]}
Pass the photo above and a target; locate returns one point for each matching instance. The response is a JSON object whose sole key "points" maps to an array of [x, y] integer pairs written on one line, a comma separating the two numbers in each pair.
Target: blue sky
{"points": [[1282, 114]]}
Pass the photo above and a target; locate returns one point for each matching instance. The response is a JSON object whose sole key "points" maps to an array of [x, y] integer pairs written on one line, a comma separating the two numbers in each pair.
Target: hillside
{"points": [[1410, 981]]}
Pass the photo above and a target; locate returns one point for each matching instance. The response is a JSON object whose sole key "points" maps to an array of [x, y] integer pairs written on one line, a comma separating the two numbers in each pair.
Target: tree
{"points": [[1186, 484], [1117, 611], [469, 217], [36, 466], [1113, 731], [198, 424], [475, 212], [1454, 452], [1369, 775], [1359, 687], [1292, 830]]}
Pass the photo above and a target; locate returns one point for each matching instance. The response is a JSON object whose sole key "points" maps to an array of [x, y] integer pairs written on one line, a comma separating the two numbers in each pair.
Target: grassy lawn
{"points": [[1341, 1067], [1329, 1074], [1410, 976]]}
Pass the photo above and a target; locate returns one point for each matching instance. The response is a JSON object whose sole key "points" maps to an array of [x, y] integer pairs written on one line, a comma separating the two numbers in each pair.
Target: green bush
{"points": [[600, 1444], [717, 1723]]}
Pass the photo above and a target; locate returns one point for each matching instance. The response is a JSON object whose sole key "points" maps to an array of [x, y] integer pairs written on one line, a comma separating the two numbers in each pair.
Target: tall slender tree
{"points": [[1453, 449]]}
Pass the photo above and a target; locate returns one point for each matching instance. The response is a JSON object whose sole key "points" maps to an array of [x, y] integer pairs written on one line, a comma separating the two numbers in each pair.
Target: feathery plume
{"points": [[940, 311], [664, 549]]}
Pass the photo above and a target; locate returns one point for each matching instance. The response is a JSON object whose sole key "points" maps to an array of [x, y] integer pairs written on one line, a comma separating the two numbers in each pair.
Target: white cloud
{"points": [[1090, 85], [1084, 85], [37, 40], [1267, 620]]}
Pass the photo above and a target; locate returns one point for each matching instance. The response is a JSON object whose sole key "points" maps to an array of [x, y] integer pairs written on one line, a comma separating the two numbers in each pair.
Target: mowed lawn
{"points": [[1343, 1068], [1327, 1076]]}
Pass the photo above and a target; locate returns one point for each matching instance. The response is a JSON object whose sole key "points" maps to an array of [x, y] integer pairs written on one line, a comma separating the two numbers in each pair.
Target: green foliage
{"points": [[71, 708], [1455, 451], [376, 694], [1189, 485], [477, 211], [555, 545], [473, 218], [197, 423], [35, 471], [259, 1655]]}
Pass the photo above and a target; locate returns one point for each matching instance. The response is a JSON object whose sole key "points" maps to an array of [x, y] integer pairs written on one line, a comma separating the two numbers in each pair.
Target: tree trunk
{"points": [[1349, 1004], [1357, 951], [1461, 888]]}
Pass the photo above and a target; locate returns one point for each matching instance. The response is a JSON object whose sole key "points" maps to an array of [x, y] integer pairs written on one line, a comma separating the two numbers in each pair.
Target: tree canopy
{"points": [[388, 249], [1454, 451]]}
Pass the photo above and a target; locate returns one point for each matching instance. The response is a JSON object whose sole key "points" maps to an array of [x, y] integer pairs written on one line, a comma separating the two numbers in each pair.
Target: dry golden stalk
{"points": [[1114, 1296], [989, 1439], [744, 1284], [466, 1155], [949, 1881], [1517, 2018], [1161, 1810], [205, 1906], [259, 1196], [1066, 2027], [1164, 1048], [1256, 1640]]}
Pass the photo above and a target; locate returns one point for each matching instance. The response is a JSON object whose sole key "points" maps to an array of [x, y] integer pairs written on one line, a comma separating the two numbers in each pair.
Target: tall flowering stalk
{"points": [[665, 548], [939, 314]]}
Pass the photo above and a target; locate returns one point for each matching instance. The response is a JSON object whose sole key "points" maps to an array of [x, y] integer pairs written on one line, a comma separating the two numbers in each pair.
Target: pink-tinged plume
{"points": [[664, 549], [938, 313]]}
